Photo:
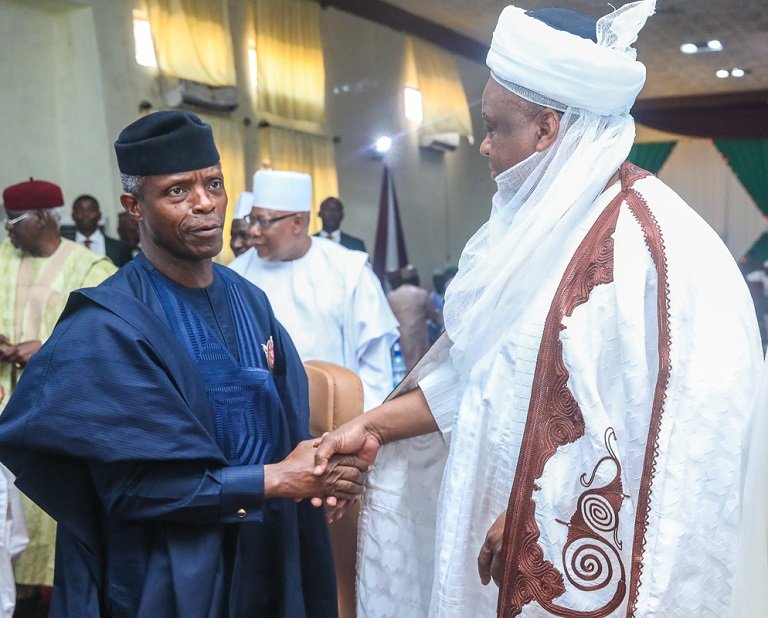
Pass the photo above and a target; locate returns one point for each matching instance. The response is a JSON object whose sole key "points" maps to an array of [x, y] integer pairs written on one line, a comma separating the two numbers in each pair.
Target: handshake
{"points": [[332, 469], [316, 470]]}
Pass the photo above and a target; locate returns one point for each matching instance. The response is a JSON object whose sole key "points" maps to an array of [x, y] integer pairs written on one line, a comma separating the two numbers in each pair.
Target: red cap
{"points": [[32, 195]]}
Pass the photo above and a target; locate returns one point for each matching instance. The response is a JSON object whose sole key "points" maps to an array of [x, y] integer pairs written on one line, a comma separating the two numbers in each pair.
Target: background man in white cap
{"points": [[240, 235], [596, 389], [326, 296]]}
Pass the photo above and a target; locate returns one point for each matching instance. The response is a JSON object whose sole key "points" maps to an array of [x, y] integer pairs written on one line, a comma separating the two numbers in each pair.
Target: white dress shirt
{"points": [[95, 242], [335, 236]]}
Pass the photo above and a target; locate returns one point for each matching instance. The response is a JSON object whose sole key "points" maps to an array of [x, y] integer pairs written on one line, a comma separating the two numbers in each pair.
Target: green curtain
{"points": [[756, 256], [748, 159], [651, 155]]}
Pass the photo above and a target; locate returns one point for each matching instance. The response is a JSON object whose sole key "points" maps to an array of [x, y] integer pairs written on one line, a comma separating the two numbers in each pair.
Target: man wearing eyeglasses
{"points": [[38, 270], [325, 295]]}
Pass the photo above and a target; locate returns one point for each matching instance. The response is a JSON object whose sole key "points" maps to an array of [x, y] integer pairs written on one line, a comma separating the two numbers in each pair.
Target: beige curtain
{"points": [[192, 40], [229, 140], [284, 149], [433, 72], [289, 56]]}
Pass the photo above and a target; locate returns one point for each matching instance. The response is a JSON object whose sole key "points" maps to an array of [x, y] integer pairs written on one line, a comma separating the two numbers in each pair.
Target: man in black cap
{"points": [[170, 451]]}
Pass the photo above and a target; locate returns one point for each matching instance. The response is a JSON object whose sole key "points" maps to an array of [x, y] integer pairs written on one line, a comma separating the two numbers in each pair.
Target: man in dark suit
{"points": [[332, 214], [86, 215]]}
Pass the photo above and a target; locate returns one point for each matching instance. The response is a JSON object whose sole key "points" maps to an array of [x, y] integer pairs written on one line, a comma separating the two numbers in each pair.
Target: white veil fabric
{"points": [[539, 200]]}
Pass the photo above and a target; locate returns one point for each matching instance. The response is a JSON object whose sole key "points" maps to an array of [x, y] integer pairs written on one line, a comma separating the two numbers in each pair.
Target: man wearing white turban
{"points": [[584, 420], [327, 297]]}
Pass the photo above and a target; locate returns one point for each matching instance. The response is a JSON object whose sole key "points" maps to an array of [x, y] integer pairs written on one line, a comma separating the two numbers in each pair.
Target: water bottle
{"points": [[398, 365]]}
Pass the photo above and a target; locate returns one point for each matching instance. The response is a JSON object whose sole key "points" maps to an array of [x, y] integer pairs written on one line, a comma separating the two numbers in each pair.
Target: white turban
{"points": [[602, 77], [544, 202], [282, 190]]}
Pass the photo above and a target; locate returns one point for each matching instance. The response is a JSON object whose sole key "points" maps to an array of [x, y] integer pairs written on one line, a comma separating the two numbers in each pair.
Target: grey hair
{"points": [[55, 214], [132, 184]]}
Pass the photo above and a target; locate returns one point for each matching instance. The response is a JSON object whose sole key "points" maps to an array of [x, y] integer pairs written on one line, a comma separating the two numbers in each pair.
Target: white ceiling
{"points": [[741, 25]]}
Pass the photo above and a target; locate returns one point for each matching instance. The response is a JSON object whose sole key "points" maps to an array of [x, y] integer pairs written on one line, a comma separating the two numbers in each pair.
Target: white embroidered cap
{"points": [[281, 190]]}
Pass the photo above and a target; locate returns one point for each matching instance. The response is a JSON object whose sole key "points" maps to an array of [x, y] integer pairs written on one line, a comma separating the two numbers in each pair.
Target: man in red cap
{"points": [[38, 270]]}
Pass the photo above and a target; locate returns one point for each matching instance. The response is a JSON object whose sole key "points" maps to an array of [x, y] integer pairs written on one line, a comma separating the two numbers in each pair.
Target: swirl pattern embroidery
{"points": [[591, 558], [554, 419]]}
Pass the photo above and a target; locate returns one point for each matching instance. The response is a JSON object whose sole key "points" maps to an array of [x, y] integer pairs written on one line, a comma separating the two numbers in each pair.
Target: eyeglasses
{"points": [[11, 222], [265, 223]]}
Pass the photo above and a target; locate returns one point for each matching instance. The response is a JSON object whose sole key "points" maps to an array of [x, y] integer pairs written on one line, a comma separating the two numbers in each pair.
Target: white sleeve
{"points": [[374, 328], [442, 390], [375, 370]]}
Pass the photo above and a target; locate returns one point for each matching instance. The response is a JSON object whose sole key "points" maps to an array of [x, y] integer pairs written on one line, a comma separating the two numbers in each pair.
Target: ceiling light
{"points": [[737, 72], [383, 144], [689, 48], [699, 48], [722, 73]]}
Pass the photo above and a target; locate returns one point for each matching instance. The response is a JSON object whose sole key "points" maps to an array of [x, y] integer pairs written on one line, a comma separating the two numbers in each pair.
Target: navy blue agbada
{"points": [[147, 445]]}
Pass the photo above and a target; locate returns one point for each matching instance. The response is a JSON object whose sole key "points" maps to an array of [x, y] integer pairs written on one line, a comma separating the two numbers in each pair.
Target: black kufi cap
{"points": [[568, 20], [165, 143]]}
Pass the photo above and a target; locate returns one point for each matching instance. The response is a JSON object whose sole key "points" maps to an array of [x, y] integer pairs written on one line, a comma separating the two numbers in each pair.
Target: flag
{"points": [[389, 249]]}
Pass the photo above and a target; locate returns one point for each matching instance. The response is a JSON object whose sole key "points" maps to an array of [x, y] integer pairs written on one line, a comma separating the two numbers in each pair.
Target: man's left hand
{"points": [[490, 561]]}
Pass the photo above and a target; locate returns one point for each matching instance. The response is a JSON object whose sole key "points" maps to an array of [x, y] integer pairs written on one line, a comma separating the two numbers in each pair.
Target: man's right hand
{"points": [[352, 438], [294, 477]]}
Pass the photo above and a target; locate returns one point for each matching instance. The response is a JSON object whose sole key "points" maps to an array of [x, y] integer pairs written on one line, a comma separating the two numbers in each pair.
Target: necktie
{"points": [[87, 242]]}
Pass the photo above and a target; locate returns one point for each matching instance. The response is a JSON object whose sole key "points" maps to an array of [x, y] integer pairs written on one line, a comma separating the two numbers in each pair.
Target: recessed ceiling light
{"points": [[722, 73], [712, 45], [737, 72]]}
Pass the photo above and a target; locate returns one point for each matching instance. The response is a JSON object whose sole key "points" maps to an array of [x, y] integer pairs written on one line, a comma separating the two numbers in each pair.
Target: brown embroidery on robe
{"points": [[655, 242], [590, 561], [591, 553]]}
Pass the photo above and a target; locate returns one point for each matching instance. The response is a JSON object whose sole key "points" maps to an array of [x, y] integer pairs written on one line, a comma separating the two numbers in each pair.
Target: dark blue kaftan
{"points": [[146, 454]]}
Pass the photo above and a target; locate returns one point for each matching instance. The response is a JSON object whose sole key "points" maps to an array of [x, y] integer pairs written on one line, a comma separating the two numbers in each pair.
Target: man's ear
{"points": [[548, 124], [300, 224], [131, 205]]}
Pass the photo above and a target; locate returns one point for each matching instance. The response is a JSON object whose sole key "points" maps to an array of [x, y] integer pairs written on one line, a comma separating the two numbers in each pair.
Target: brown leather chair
{"points": [[335, 397]]}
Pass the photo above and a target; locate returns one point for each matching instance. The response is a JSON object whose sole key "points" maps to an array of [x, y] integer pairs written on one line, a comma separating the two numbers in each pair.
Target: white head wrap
{"points": [[565, 67], [543, 204], [244, 205], [279, 190]]}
